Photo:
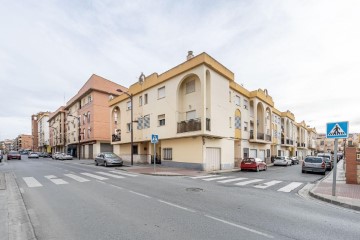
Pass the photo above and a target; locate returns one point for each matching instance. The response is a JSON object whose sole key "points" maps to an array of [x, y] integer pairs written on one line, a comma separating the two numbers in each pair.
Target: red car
{"points": [[253, 164], [13, 155]]}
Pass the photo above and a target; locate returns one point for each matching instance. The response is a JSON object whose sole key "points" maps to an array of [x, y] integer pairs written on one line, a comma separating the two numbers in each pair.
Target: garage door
{"points": [[262, 155], [253, 153], [106, 147], [213, 159]]}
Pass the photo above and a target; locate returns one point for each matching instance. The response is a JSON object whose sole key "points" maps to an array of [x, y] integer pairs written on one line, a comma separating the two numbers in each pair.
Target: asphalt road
{"points": [[63, 205]]}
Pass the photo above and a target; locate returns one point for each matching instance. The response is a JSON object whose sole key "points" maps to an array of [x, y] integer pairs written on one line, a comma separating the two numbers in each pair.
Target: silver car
{"points": [[314, 164], [64, 156], [108, 159], [282, 161]]}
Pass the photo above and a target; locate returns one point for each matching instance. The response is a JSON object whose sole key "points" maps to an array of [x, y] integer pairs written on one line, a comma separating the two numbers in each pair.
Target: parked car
{"points": [[1, 156], [327, 155], [13, 155], [314, 164], [33, 155], [256, 164], [328, 162], [282, 161], [64, 156], [55, 155], [108, 159], [294, 160], [44, 154]]}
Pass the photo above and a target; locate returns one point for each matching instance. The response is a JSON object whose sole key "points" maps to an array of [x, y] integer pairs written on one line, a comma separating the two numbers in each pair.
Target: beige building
{"points": [[87, 120], [203, 118], [57, 130], [43, 132], [35, 130]]}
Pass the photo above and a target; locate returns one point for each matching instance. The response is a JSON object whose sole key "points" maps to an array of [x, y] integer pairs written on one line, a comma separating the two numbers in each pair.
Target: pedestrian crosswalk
{"points": [[280, 186], [33, 182]]}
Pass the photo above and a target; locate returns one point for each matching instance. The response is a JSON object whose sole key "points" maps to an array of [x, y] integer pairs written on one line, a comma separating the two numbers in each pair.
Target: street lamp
{"points": [[131, 124], [78, 118]]}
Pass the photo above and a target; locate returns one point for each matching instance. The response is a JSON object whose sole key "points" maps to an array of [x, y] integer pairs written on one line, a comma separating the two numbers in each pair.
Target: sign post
{"points": [[154, 140], [336, 130]]}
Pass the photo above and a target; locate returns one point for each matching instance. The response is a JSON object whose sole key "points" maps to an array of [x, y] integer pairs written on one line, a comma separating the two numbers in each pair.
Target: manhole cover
{"points": [[194, 189]]}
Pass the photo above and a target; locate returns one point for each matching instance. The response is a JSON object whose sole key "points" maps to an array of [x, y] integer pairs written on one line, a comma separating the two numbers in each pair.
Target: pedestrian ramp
{"points": [[64, 179], [280, 186]]}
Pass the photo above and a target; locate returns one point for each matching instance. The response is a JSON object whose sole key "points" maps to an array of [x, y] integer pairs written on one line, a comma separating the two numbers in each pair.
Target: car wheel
{"points": [[96, 163], [105, 164], [302, 171], [323, 173]]}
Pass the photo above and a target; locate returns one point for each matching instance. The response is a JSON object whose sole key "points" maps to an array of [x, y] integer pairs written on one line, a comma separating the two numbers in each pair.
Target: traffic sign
{"points": [[154, 138], [337, 130]]}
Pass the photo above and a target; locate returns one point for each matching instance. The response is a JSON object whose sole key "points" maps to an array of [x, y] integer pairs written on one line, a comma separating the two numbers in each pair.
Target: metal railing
{"points": [[116, 137], [191, 125]]}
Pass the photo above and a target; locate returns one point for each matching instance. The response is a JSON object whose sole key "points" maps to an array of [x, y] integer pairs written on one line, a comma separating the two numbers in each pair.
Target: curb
{"points": [[164, 174], [335, 202]]}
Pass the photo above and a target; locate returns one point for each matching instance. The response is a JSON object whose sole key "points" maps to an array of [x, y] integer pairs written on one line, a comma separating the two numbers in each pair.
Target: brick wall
{"points": [[352, 166]]}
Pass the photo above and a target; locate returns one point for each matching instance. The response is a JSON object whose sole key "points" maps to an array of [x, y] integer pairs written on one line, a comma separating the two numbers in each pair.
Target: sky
{"points": [[305, 53]]}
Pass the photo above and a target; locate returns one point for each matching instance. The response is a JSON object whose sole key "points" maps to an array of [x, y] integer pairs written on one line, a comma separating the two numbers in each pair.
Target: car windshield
{"points": [[280, 158], [13, 152], [249, 160], [313, 160], [110, 155]]}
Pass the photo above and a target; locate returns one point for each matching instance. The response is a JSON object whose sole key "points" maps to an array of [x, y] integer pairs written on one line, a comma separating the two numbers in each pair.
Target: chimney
{"points": [[190, 55]]}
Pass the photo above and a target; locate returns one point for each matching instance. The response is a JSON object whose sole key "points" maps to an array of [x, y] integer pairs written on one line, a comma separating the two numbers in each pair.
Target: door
{"points": [[91, 154], [213, 159], [262, 154], [106, 147], [253, 153]]}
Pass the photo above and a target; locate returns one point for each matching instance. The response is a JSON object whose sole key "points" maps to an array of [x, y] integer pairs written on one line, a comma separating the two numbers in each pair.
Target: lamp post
{"points": [[131, 124], [78, 118]]}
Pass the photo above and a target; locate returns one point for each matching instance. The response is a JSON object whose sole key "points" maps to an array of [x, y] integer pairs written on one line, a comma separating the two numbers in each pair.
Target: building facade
{"points": [[87, 119], [57, 130], [203, 118], [24, 142], [43, 132]]}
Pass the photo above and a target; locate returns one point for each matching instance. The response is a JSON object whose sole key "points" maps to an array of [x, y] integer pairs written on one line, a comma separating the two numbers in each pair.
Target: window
{"points": [[161, 92], [128, 105], [161, 119], [230, 122], [167, 154], [229, 96], [237, 100], [89, 99], [190, 115], [246, 104], [128, 126], [245, 126], [83, 121], [88, 132], [140, 101], [88, 117], [135, 149], [237, 122], [190, 86], [140, 123], [146, 98], [83, 133], [146, 121]]}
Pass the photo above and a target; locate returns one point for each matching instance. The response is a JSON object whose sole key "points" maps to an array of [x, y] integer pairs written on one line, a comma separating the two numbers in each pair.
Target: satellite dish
{"points": [[141, 78], [111, 97]]}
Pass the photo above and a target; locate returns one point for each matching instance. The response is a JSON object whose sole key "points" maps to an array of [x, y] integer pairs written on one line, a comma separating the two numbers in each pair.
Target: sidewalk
{"points": [[347, 195]]}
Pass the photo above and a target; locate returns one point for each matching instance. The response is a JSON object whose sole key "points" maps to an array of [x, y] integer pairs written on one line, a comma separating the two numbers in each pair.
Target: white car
{"points": [[64, 156], [282, 161]]}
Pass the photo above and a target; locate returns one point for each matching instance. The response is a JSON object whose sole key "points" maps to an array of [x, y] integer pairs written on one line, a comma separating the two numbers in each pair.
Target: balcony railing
{"points": [[261, 136], [116, 137], [192, 125], [268, 137], [251, 134]]}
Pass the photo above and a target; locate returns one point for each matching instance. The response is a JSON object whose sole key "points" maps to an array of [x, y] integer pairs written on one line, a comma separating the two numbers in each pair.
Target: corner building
{"points": [[203, 118]]}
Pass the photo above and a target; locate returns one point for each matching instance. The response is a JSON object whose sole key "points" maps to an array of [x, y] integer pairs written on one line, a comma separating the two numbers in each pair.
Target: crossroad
{"points": [[32, 182], [279, 186]]}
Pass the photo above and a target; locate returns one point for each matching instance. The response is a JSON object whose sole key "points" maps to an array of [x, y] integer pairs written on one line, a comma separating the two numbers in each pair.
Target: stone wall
{"points": [[352, 157]]}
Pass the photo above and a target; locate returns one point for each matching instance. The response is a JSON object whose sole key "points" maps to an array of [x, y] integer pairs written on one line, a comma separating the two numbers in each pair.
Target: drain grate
{"points": [[194, 189]]}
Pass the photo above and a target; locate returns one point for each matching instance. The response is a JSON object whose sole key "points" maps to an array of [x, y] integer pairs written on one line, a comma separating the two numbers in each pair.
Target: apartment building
{"points": [[87, 118], [324, 144], [35, 130], [23, 142], [203, 118], [43, 132], [57, 130]]}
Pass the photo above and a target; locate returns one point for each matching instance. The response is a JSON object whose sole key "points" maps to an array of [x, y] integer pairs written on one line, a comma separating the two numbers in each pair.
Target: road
{"points": [[66, 200]]}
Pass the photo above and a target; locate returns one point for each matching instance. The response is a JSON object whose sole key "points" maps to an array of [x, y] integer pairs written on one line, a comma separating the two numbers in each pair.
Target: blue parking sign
{"points": [[337, 130]]}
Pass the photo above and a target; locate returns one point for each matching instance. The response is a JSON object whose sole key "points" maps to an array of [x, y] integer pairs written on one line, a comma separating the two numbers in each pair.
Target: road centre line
{"points": [[177, 206], [240, 226], [140, 194]]}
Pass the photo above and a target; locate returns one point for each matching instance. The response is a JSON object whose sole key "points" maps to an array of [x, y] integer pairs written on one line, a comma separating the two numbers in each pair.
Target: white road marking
{"points": [[125, 174], [232, 180], [57, 181], [77, 178], [248, 182], [110, 175], [215, 178], [267, 184], [242, 227], [94, 176], [140, 194], [290, 187], [32, 182], [177, 206], [206, 176]]}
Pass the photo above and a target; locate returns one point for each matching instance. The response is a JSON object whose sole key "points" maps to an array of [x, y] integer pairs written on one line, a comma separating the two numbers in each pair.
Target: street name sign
{"points": [[337, 130], [154, 138]]}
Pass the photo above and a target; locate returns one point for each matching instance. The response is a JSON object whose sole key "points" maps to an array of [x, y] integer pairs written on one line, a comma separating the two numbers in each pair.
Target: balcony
{"points": [[260, 137], [116, 137], [301, 145], [192, 125], [288, 142]]}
